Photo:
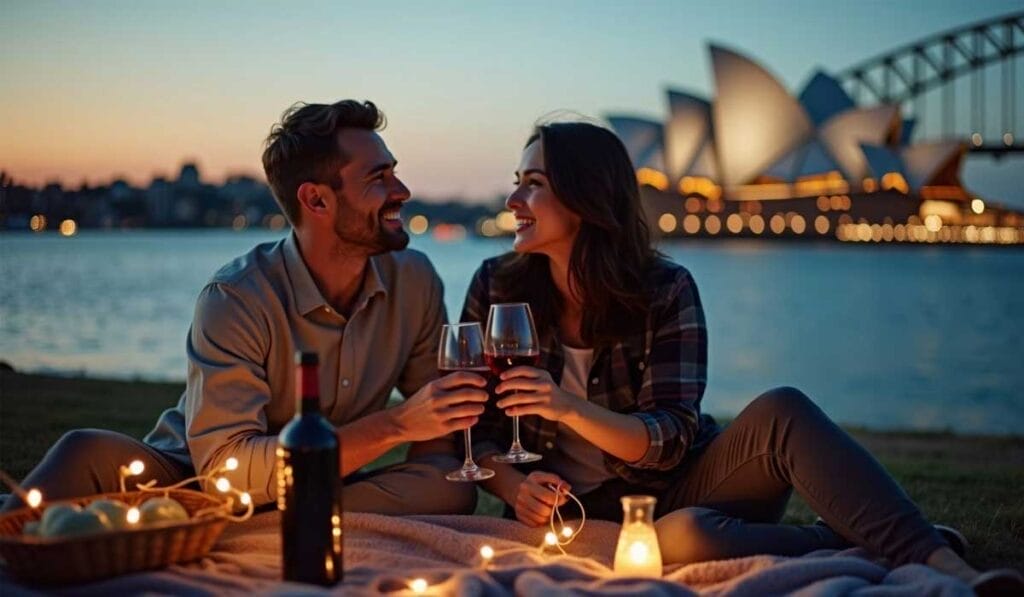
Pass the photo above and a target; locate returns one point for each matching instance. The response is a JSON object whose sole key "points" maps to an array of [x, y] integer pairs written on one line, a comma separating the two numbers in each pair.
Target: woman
{"points": [[617, 393]]}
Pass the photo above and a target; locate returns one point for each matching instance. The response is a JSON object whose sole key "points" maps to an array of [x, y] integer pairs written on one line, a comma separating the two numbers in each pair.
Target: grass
{"points": [[973, 483]]}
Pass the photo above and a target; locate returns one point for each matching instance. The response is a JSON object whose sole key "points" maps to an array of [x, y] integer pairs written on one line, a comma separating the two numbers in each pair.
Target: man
{"points": [[339, 285]]}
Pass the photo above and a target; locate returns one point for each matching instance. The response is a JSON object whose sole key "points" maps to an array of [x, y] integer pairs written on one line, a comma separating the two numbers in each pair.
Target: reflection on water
{"points": [[922, 337]]}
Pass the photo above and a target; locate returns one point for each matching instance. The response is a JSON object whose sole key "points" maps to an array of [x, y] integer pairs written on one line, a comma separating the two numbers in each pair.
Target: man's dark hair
{"points": [[303, 147]]}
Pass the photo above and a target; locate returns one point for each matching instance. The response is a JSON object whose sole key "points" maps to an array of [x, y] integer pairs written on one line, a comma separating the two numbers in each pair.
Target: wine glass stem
{"points": [[516, 446], [468, 463]]}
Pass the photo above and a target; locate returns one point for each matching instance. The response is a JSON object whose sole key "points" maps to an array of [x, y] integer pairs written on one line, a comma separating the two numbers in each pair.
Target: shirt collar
{"points": [[307, 295]]}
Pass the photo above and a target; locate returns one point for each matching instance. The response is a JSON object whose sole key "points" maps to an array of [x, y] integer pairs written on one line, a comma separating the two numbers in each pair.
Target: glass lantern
{"points": [[637, 553]]}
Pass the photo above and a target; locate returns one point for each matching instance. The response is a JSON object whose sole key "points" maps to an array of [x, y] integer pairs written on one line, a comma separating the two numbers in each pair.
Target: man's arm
{"points": [[227, 391]]}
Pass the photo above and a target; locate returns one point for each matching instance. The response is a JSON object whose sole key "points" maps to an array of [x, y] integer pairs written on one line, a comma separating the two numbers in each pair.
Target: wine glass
{"points": [[511, 341], [462, 349]]}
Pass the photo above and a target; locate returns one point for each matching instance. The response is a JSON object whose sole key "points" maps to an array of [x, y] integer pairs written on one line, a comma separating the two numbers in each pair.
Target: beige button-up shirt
{"points": [[252, 317]]}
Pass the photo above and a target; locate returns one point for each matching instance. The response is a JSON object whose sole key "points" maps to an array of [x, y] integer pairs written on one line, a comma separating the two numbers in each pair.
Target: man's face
{"points": [[371, 195]]}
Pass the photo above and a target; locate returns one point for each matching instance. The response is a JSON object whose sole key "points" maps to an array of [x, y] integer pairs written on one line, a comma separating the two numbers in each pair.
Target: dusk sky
{"points": [[96, 90]]}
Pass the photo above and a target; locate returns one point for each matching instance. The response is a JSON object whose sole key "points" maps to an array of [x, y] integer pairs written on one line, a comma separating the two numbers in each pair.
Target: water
{"points": [[880, 336]]}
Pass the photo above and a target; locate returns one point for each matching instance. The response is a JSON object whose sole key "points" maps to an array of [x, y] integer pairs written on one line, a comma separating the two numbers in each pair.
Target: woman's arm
{"points": [[662, 428]]}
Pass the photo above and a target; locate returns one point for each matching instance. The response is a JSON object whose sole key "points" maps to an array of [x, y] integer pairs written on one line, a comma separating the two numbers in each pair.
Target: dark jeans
{"points": [[727, 500], [86, 462]]}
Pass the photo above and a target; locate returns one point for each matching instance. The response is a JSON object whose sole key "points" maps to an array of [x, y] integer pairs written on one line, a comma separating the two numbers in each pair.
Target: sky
{"points": [[90, 91]]}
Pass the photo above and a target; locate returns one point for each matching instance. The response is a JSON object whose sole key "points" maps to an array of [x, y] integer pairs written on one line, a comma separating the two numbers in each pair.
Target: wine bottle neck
{"points": [[307, 390]]}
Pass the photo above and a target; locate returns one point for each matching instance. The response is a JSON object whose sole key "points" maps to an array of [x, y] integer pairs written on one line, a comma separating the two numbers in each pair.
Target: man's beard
{"points": [[374, 239]]}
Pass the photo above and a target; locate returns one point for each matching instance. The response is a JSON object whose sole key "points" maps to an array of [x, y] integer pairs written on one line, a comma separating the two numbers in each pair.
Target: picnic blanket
{"points": [[384, 553]]}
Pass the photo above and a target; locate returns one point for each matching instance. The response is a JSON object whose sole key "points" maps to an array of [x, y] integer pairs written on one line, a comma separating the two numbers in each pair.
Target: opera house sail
{"points": [[757, 161]]}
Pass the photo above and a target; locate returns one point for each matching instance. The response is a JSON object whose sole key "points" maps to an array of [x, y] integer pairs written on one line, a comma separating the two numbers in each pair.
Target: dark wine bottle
{"points": [[309, 486]]}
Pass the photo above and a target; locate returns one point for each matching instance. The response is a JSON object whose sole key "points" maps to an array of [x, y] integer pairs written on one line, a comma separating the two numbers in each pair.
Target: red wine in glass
{"points": [[500, 363], [462, 349], [511, 341]]}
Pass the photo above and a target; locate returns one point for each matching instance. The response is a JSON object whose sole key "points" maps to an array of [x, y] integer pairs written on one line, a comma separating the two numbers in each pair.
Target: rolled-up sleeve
{"points": [[674, 378], [227, 391]]}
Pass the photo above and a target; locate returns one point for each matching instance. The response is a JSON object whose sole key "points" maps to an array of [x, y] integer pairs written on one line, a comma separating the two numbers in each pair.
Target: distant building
{"points": [[756, 161]]}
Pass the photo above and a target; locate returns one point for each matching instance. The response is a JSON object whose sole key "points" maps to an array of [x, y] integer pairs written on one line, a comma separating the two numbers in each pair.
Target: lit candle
{"points": [[637, 553]]}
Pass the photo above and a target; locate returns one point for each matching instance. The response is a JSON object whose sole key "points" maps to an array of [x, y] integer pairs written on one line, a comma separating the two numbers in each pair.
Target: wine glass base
{"points": [[470, 474], [518, 457]]}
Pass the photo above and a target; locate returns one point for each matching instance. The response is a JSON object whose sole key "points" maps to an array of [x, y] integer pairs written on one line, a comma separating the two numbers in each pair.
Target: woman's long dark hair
{"points": [[591, 174]]}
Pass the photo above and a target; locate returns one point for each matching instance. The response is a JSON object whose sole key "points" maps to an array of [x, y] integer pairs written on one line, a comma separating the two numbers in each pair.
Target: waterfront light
{"points": [[489, 228], [823, 203], [652, 177], [734, 223], [777, 224], [506, 221], [37, 223], [691, 224], [821, 225], [693, 205], [798, 224], [68, 228], [713, 225], [239, 223], [418, 224], [933, 222], [667, 222], [1007, 139], [756, 224], [976, 139], [978, 206]]}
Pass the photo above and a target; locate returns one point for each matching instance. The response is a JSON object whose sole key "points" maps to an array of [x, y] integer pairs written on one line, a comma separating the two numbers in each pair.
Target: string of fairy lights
{"points": [[559, 536]]}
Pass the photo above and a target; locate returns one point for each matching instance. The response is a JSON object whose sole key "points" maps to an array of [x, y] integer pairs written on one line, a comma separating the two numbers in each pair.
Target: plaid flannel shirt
{"points": [[658, 376]]}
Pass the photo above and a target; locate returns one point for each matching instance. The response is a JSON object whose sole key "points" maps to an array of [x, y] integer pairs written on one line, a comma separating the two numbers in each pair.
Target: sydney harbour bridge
{"points": [[870, 153]]}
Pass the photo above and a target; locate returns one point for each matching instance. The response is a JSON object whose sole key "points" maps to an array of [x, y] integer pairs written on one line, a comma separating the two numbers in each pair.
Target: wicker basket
{"points": [[56, 560]]}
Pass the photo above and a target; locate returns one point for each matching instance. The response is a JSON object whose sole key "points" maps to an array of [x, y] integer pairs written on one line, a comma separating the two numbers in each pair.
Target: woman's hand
{"points": [[534, 393], [536, 498]]}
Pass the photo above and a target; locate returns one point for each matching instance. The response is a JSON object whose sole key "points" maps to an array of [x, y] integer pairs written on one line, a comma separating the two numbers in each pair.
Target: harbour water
{"points": [[884, 337]]}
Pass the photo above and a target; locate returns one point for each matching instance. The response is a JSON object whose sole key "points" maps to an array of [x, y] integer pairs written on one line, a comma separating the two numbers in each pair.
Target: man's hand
{"points": [[540, 394], [442, 406], [536, 498]]}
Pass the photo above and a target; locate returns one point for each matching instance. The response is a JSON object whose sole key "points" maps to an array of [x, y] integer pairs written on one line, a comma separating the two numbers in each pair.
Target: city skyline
{"points": [[102, 91]]}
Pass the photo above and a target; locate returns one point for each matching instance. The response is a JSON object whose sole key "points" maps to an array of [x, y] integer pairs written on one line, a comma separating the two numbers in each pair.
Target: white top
{"points": [[576, 460]]}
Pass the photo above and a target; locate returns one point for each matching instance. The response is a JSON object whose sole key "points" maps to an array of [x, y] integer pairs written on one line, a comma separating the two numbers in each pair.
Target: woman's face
{"points": [[543, 224]]}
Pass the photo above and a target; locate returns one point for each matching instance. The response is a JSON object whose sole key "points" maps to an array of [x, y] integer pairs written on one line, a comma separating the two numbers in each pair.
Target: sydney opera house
{"points": [[755, 161]]}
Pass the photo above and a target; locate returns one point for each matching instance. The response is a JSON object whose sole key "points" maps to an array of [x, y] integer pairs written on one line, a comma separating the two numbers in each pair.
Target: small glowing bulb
{"points": [[231, 464], [567, 532], [136, 467], [418, 586], [246, 498], [223, 485], [133, 516], [34, 498], [487, 552], [551, 538]]}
